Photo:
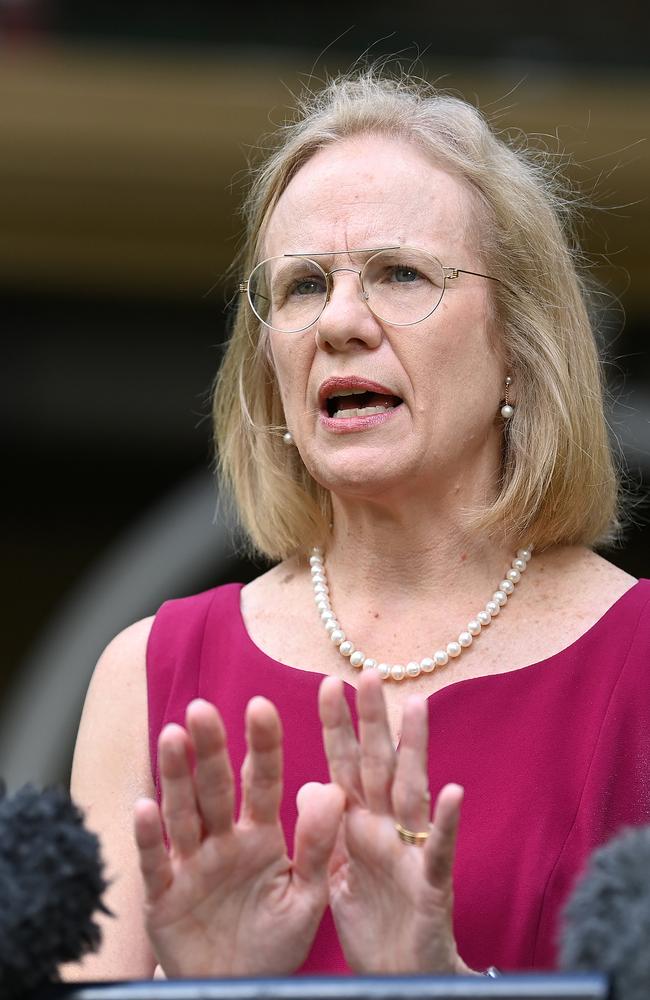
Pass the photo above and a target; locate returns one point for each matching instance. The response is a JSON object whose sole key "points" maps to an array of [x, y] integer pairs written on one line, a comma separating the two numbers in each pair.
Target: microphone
{"points": [[607, 918], [51, 883]]}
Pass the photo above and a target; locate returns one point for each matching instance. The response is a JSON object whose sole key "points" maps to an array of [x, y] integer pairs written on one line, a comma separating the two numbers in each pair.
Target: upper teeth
{"points": [[346, 392]]}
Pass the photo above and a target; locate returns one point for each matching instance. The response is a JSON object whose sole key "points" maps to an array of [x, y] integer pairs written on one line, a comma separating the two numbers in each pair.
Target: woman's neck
{"points": [[412, 550]]}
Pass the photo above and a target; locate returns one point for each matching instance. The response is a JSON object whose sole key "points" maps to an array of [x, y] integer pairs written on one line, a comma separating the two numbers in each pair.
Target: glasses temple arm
{"points": [[455, 271], [243, 290]]}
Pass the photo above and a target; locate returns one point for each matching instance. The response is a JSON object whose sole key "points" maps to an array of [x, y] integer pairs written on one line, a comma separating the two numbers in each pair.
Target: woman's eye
{"points": [[404, 274], [308, 286]]}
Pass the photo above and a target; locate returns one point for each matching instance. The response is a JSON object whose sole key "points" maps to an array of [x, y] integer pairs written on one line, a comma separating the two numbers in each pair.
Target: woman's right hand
{"points": [[225, 899]]}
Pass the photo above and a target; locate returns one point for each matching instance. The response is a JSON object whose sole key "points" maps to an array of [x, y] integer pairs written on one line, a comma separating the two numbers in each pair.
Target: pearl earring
{"points": [[287, 437], [507, 410]]}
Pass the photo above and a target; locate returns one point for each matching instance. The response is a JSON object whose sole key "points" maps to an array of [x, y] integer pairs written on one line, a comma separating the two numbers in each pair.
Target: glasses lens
{"points": [[403, 286], [288, 293]]}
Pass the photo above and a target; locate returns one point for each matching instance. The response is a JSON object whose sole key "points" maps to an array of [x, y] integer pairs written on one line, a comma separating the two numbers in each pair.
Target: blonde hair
{"points": [[559, 482]]}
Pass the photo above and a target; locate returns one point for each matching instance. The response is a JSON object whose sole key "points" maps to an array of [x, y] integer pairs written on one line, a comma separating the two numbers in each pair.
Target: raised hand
{"points": [[392, 902], [224, 899]]}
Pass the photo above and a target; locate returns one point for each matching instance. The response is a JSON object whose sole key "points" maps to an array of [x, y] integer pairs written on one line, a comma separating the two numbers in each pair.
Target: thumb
{"points": [[320, 808]]}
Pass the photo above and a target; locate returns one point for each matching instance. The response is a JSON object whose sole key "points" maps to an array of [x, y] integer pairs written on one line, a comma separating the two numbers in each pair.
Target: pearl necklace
{"points": [[397, 671]]}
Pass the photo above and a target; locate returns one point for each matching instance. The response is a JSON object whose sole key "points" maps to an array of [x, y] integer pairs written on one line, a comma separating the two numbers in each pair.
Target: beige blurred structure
{"points": [[120, 173]]}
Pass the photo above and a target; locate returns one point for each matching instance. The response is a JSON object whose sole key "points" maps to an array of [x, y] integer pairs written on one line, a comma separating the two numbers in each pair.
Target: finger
{"points": [[440, 848], [410, 792], [377, 753], [262, 768], [339, 739], [213, 780], [154, 861], [320, 810], [179, 807]]}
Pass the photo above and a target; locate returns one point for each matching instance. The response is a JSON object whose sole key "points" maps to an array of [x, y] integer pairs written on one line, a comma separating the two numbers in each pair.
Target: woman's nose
{"points": [[346, 321]]}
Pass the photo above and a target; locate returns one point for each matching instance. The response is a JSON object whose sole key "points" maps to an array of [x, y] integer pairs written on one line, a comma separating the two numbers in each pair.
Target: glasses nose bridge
{"points": [[353, 270]]}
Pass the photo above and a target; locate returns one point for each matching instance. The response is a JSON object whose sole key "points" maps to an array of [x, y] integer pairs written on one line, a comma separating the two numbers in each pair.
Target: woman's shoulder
{"points": [[276, 605], [579, 580], [280, 580], [579, 596], [116, 697], [131, 641], [587, 564]]}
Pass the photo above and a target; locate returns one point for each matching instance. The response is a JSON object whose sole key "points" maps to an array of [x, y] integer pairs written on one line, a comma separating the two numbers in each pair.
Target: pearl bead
{"points": [[321, 588], [326, 615], [524, 554], [519, 564], [315, 560], [454, 649], [331, 624], [507, 411], [465, 639], [383, 670], [507, 586], [323, 605], [357, 658], [484, 618], [337, 636], [440, 657], [427, 665], [499, 597], [369, 663], [474, 626], [413, 669], [398, 672], [492, 608], [317, 578], [346, 648], [514, 575]]}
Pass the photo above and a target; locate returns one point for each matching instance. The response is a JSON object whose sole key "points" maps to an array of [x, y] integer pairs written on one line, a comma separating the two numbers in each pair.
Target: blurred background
{"points": [[124, 136]]}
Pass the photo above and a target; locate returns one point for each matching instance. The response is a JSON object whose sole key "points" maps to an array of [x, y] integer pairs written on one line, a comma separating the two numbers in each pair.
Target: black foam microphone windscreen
{"points": [[607, 919], [51, 884]]}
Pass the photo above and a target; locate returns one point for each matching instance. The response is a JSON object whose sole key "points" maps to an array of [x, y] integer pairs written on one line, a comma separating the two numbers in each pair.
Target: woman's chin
{"points": [[366, 476]]}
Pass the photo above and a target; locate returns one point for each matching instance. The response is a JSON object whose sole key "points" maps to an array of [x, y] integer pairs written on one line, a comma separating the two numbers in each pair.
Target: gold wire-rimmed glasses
{"points": [[401, 285]]}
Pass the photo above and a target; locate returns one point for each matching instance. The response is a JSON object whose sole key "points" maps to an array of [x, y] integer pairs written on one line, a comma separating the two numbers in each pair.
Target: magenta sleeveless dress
{"points": [[554, 758]]}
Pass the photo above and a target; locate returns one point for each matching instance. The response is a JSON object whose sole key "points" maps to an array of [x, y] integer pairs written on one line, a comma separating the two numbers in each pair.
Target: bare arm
{"points": [[111, 769]]}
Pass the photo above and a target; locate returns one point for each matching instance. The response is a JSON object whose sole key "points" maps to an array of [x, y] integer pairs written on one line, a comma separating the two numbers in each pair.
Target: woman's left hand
{"points": [[392, 902]]}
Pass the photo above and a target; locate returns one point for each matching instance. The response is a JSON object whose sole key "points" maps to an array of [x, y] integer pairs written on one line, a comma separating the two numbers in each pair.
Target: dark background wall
{"points": [[124, 131]]}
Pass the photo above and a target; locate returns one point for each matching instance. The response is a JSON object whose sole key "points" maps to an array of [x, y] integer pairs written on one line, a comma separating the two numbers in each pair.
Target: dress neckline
{"points": [[563, 654]]}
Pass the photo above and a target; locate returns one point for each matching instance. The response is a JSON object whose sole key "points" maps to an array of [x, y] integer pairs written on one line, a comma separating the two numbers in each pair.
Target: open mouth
{"points": [[346, 404]]}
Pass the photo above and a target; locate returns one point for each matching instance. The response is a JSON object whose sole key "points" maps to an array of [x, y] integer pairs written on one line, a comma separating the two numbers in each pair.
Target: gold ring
{"points": [[413, 837]]}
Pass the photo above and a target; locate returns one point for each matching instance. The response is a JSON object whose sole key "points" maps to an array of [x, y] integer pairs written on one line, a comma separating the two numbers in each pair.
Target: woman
{"points": [[410, 406]]}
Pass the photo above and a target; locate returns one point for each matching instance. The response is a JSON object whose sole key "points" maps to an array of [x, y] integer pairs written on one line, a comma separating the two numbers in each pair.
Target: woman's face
{"points": [[440, 381]]}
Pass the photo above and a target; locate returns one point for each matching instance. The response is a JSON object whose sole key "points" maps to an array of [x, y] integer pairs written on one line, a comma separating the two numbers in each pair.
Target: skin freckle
{"points": [[288, 578]]}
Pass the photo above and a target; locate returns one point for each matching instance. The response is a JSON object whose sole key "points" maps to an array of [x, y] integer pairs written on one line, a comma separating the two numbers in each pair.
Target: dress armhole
{"points": [[173, 665]]}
